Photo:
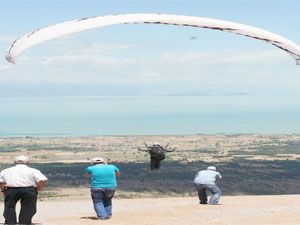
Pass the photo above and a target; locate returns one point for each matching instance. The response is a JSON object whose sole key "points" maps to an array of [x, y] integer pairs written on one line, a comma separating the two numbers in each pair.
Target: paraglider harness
{"points": [[157, 153]]}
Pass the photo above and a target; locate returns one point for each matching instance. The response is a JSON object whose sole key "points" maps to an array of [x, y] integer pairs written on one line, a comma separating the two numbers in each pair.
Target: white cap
{"points": [[21, 159], [97, 160], [156, 144], [212, 168]]}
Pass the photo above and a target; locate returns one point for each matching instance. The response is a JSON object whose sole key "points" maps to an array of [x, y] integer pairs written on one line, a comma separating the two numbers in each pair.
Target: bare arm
{"points": [[118, 174], [41, 184], [143, 150], [170, 149], [2, 187]]}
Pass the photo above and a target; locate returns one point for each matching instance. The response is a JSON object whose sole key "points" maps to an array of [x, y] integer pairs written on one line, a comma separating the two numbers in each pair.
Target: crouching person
{"points": [[205, 181], [21, 182], [103, 186]]}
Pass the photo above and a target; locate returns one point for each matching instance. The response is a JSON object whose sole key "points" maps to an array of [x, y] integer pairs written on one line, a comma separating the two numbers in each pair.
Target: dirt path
{"points": [[234, 210]]}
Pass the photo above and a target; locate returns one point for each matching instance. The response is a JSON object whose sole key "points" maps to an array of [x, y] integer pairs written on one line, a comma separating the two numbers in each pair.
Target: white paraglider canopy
{"points": [[70, 27]]}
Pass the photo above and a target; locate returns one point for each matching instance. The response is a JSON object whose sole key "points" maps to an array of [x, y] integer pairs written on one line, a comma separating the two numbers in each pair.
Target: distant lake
{"points": [[148, 115]]}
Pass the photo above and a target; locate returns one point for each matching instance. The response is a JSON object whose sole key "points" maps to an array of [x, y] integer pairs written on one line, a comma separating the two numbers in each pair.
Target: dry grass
{"points": [[209, 148]]}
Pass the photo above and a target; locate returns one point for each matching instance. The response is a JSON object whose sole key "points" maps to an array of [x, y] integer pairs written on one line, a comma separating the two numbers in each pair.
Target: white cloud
{"points": [[150, 75], [192, 58], [6, 38], [88, 58], [4, 67], [87, 48], [116, 64]]}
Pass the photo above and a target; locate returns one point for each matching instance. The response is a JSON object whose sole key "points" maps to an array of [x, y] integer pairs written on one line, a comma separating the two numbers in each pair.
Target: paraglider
{"points": [[157, 154], [70, 27]]}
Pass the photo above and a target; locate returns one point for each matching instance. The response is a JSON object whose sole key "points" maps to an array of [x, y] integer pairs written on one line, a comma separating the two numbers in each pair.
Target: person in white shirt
{"points": [[21, 182], [205, 180]]}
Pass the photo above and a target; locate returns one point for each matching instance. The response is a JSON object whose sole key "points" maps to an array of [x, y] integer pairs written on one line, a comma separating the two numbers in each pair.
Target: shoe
{"points": [[103, 218]]}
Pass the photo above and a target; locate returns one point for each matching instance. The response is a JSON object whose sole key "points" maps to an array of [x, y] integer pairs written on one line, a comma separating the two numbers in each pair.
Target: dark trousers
{"points": [[202, 194], [213, 189], [154, 164], [28, 197]]}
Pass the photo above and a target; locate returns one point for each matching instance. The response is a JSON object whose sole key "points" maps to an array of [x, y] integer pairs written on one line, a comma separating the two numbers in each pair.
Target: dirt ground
{"points": [[233, 210]]}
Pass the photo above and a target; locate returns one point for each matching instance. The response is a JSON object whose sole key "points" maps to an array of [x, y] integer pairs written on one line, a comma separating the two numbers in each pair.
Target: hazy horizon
{"points": [[144, 115]]}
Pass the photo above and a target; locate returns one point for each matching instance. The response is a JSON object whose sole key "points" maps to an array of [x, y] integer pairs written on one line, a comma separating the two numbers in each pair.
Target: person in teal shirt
{"points": [[103, 186]]}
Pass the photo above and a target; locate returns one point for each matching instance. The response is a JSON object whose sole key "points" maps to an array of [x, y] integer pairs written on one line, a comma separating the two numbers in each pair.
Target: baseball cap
{"points": [[212, 168], [21, 159]]}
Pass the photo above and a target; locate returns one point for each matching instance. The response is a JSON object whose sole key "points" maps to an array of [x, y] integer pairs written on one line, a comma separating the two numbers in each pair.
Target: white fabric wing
{"points": [[70, 27]]}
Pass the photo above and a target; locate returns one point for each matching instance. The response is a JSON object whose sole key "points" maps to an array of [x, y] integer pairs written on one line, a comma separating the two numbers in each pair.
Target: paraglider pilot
{"points": [[157, 154]]}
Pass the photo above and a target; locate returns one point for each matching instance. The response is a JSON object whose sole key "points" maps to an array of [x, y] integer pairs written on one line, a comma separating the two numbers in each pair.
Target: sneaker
{"points": [[103, 218]]}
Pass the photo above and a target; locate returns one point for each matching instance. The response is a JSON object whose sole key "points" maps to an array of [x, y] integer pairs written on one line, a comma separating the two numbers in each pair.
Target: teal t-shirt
{"points": [[103, 176]]}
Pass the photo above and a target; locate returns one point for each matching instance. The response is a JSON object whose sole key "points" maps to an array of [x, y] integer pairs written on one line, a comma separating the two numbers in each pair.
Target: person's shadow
{"points": [[89, 218]]}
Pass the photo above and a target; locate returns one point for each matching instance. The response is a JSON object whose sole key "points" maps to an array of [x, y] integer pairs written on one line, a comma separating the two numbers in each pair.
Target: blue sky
{"points": [[239, 84], [150, 59]]}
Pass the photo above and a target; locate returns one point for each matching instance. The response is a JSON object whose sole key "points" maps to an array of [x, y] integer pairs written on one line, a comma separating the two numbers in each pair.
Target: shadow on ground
{"points": [[239, 177]]}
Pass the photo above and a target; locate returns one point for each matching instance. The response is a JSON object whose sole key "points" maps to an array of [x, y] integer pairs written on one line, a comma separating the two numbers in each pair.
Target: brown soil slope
{"points": [[234, 210]]}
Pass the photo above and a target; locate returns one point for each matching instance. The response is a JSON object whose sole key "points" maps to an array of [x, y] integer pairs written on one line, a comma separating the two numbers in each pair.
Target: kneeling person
{"points": [[205, 180]]}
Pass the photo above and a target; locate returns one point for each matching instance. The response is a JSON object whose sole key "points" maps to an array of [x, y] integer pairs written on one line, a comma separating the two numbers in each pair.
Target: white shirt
{"points": [[21, 176], [207, 177]]}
